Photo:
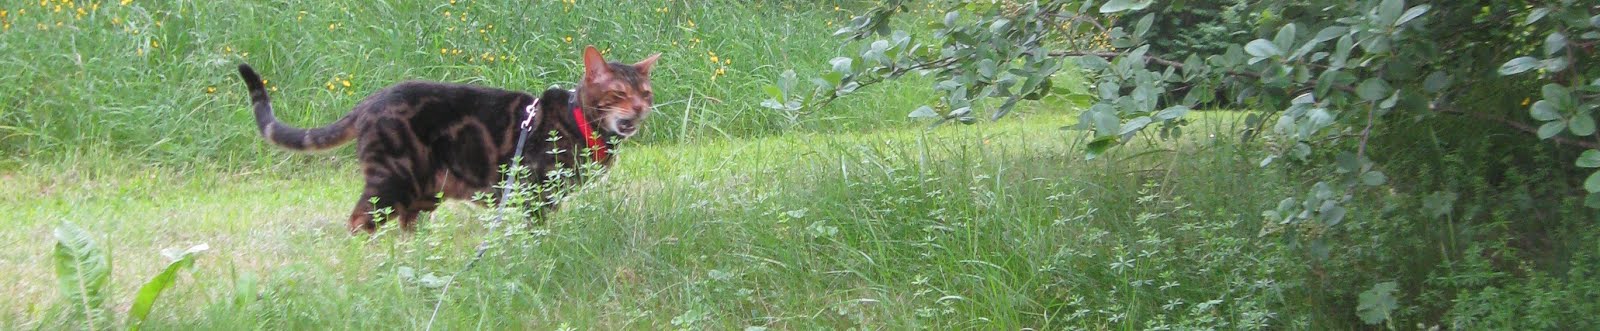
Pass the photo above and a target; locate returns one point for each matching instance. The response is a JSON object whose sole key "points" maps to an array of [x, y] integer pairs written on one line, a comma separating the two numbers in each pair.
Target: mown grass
{"points": [[992, 226]]}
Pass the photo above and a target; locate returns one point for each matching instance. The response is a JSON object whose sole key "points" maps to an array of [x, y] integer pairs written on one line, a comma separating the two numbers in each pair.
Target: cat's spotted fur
{"points": [[416, 140]]}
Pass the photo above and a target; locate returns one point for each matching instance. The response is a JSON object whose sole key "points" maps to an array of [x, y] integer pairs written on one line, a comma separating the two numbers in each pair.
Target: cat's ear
{"points": [[649, 62], [594, 66]]}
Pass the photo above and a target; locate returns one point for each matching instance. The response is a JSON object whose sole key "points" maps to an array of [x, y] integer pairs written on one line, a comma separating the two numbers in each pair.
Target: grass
{"points": [[126, 118], [990, 227], [153, 81]]}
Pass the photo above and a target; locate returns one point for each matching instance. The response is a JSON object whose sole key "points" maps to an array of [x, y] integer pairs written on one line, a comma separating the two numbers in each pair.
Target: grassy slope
{"points": [[987, 226]]}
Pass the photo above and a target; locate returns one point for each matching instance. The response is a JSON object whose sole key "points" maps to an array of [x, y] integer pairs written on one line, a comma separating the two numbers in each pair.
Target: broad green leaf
{"points": [[1437, 81], [1105, 122], [1134, 125], [1115, 6], [1581, 125], [1589, 159], [1554, 43], [1375, 304], [1519, 65], [84, 272], [1285, 37], [1143, 27], [1347, 162], [923, 112], [1556, 93], [1551, 129], [1374, 178], [786, 81], [773, 91], [841, 64], [1412, 14], [1099, 146], [1593, 201], [1172, 113], [1593, 183], [1262, 48], [145, 300], [1554, 64], [1092, 62], [1389, 11], [1537, 14], [1544, 111], [1373, 89]]}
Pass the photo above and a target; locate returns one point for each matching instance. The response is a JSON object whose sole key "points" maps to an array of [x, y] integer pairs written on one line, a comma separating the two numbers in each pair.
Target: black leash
{"points": [[500, 211]]}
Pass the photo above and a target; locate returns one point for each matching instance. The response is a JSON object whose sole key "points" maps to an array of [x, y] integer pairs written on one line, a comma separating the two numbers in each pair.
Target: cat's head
{"points": [[619, 92]]}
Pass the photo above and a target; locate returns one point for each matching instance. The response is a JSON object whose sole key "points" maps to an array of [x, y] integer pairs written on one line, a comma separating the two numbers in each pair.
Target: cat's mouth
{"points": [[625, 127]]}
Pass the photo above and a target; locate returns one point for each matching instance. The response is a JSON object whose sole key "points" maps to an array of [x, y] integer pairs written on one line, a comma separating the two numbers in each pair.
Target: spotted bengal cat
{"points": [[416, 140]]}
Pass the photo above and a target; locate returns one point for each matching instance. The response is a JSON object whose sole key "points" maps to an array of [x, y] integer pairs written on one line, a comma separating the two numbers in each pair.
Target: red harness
{"points": [[593, 140]]}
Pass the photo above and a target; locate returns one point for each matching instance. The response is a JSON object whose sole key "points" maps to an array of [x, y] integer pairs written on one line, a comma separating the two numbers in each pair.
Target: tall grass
{"points": [[152, 81], [982, 227]]}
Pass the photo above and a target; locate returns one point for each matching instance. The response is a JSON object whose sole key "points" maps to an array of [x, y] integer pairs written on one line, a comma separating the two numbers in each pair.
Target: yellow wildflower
{"points": [[126, 2]]}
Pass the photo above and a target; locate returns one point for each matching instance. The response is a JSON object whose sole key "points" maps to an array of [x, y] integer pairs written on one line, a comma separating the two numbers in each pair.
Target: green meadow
{"points": [[126, 119]]}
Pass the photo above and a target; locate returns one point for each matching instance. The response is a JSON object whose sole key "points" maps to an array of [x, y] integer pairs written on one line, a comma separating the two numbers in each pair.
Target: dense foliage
{"points": [[1351, 92]]}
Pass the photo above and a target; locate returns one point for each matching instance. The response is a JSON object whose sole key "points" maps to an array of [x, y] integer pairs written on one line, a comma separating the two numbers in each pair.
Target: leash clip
{"points": [[532, 110]]}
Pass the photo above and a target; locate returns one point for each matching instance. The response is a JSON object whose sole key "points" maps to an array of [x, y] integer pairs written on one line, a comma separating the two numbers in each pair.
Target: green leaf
{"points": [[1412, 14], [1589, 159], [841, 64], [1556, 93], [1519, 65], [1581, 125], [1262, 48], [1551, 129], [145, 300], [84, 272], [1373, 89], [1115, 6], [773, 91], [1544, 111], [1172, 113], [1092, 62], [1437, 81], [1285, 37], [1593, 201], [1134, 125], [1374, 305], [1593, 183], [1389, 11], [923, 112], [1536, 14], [1554, 43], [1374, 178], [1105, 121], [1099, 146]]}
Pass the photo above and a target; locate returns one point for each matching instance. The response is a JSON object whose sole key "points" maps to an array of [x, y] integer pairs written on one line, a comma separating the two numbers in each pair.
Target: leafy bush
{"points": [[1343, 90]]}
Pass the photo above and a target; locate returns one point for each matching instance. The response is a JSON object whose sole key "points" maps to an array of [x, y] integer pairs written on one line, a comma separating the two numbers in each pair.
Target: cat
{"points": [[418, 141]]}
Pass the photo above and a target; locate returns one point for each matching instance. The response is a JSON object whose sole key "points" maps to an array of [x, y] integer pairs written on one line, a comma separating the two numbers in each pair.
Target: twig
{"points": [[1519, 126]]}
